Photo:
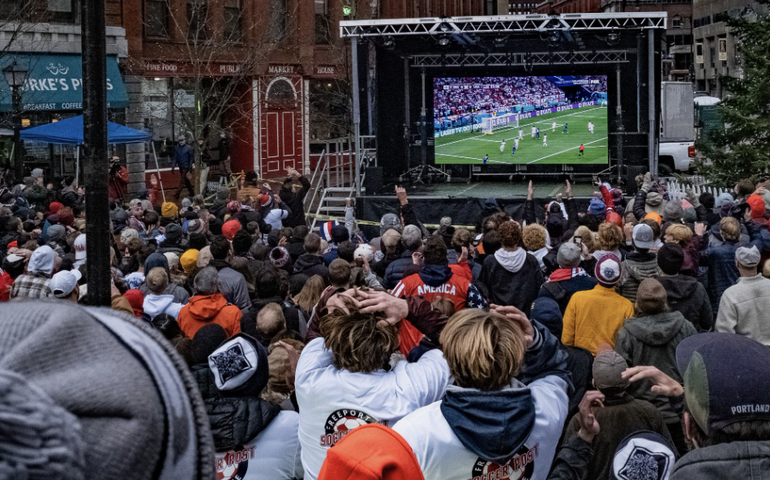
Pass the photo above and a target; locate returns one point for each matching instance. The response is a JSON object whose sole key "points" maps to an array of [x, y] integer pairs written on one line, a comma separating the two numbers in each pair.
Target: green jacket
{"points": [[652, 340]]}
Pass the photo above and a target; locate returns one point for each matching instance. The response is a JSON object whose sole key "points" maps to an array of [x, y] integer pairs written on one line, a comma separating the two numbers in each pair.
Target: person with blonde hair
{"points": [[310, 294], [344, 378], [534, 237], [608, 241], [507, 406]]}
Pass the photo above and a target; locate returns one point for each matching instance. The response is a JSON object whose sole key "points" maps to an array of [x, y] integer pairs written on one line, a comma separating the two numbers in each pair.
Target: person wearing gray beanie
{"points": [[139, 415], [569, 278]]}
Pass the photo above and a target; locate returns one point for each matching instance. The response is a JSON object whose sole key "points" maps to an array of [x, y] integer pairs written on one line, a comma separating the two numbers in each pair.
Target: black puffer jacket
{"points": [[395, 271], [234, 421]]}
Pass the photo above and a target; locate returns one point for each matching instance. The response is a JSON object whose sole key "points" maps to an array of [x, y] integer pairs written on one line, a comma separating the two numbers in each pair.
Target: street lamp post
{"points": [[15, 76]]}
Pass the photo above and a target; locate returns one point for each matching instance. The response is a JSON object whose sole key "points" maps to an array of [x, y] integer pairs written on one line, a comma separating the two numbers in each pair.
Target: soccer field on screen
{"points": [[470, 147]]}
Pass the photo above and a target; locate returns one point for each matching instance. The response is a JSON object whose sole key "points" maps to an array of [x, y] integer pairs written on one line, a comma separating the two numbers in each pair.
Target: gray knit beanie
{"points": [[99, 395]]}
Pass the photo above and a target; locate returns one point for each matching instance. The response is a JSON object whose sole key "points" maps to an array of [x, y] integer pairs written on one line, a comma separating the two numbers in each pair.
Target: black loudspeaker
{"points": [[373, 180], [631, 172]]}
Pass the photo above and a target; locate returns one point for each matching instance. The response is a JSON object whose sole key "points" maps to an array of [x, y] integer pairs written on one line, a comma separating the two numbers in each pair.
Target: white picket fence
{"points": [[677, 190]]}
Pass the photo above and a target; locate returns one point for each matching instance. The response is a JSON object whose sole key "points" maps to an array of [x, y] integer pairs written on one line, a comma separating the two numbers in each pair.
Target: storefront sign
{"points": [[282, 69], [181, 69], [325, 71], [55, 82]]}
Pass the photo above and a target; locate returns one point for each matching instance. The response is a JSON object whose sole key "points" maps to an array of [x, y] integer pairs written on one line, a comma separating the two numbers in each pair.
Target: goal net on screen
{"points": [[490, 124]]}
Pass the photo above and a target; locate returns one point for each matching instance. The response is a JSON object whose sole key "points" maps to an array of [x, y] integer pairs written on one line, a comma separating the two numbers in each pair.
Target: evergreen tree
{"points": [[742, 148]]}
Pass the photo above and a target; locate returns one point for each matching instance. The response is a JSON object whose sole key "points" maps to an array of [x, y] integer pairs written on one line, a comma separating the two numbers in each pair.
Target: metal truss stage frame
{"points": [[522, 42]]}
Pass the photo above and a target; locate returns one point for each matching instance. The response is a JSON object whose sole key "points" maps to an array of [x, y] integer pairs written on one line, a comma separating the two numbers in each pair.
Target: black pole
{"points": [[95, 164], [18, 158]]}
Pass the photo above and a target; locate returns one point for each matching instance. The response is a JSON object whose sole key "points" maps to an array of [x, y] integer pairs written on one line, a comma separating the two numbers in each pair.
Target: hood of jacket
{"points": [[234, 421], [435, 275], [511, 261], [641, 265], [205, 307], [156, 304], [306, 261], [656, 329], [42, 261], [679, 287], [493, 425]]}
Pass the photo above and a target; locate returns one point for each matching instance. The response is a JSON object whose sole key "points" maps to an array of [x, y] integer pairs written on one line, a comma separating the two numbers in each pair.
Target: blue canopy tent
{"points": [[70, 132]]}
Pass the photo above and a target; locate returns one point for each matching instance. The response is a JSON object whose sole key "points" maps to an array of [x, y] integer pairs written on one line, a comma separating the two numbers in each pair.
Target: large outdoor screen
{"points": [[521, 120]]}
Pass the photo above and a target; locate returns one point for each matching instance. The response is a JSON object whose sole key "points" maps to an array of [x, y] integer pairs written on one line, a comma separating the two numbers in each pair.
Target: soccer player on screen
{"points": [[513, 150], [581, 151], [486, 157], [591, 127], [565, 129], [521, 134], [553, 127], [533, 132], [537, 133], [502, 146], [545, 139], [516, 143]]}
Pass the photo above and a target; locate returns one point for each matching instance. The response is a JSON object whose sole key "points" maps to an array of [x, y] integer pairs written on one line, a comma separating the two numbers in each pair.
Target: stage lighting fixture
{"points": [[443, 41], [499, 42], [444, 27], [389, 43], [613, 38], [554, 39]]}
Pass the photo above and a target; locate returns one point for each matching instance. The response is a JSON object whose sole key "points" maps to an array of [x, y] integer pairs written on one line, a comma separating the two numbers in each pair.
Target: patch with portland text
{"points": [[341, 422], [520, 467], [233, 464]]}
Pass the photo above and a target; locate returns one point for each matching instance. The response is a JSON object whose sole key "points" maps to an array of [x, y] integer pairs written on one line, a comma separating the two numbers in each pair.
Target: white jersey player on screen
{"points": [[591, 127], [545, 140], [516, 143], [533, 132], [502, 146], [553, 127], [521, 134]]}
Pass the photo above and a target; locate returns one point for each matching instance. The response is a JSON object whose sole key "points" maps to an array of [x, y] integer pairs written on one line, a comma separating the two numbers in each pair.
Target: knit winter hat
{"points": [[722, 199], [189, 260], [186, 203], [174, 233], [689, 215], [138, 388], [613, 217], [66, 217], [757, 205], [643, 456], [173, 259], [240, 366], [168, 210], [136, 299], [651, 298], [371, 452], [597, 207], [279, 257], [56, 232], [207, 339], [654, 200], [607, 270], [204, 257], [670, 258], [230, 228], [340, 234], [672, 212], [54, 207], [654, 216]]}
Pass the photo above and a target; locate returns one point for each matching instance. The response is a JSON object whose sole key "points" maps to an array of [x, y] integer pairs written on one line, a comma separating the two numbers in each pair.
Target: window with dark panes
{"points": [[62, 11], [156, 18], [278, 18], [233, 28], [197, 17], [322, 22]]}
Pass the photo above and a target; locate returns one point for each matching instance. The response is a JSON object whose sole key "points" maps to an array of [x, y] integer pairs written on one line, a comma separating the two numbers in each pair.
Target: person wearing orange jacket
{"points": [[209, 306]]}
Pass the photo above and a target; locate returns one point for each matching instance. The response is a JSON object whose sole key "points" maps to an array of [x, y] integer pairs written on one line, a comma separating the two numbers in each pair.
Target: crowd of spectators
{"points": [[625, 340]]}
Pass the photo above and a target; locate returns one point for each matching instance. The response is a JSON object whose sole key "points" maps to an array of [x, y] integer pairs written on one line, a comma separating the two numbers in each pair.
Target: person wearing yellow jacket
{"points": [[593, 317]]}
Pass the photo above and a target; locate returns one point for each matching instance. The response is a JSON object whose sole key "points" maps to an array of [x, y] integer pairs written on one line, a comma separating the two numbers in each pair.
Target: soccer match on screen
{"points": [[520, 120]]}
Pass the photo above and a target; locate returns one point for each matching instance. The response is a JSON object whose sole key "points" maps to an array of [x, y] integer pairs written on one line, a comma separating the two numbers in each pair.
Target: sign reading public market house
{"points": [[55, 82]]}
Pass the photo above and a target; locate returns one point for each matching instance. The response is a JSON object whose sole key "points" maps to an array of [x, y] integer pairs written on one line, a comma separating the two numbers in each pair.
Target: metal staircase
{"points": [[334, 179]]}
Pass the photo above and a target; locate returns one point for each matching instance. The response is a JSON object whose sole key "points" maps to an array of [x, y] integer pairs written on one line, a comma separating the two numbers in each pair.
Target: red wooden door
{"points": [[282, 127]]}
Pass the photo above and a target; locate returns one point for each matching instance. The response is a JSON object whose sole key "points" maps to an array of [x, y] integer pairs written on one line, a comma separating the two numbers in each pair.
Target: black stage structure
{"points": [[395, 61]]}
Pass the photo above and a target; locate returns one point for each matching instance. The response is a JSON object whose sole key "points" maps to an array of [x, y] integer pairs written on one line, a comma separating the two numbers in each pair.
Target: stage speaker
{"points": [[374, 180], [631, 172]]}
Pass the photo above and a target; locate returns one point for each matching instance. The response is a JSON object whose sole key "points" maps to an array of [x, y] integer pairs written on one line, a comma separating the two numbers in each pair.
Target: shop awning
{"points": [[70, 132], [55, 82]]}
